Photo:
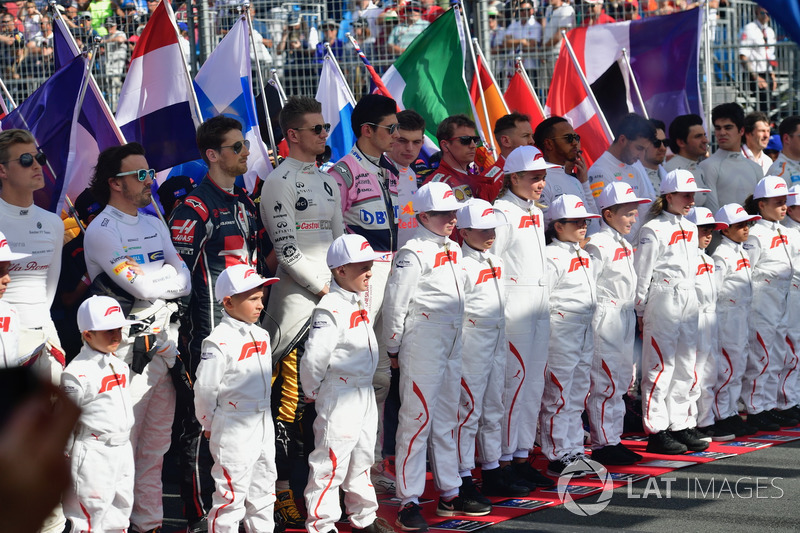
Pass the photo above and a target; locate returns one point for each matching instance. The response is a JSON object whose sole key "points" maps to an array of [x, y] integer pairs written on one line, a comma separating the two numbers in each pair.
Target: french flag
{"points": [[337, 106], [157, 106]]}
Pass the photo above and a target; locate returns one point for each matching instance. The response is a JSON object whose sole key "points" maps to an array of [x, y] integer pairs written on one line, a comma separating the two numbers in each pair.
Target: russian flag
{"points": [[337, 107], [218, 93], [157, 107]]}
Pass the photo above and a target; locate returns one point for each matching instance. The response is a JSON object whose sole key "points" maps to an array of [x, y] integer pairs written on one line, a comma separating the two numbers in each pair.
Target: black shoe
{"points": [[718, 432], [378, 526], [689, 439], [577, 465], [459, 506], [531, 476], [697, 435], [410, 518], [469, 491], [200, 526], [763, 422], [784, 418], [612, 455], [739, 427], [632, 454], [497, 482], [665, 444], [795, 411], [286, 512]]}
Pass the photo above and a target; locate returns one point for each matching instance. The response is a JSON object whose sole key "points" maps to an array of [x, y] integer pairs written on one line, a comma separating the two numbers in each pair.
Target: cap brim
{"points": [[542, 167], [12, 256]]}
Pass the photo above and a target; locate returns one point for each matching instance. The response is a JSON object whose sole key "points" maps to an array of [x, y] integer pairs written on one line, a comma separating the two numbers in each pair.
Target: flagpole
{"points": [[272, 144], [707, 50], [197, 112], [370, 69], [588, 88], [276, 82], [520, 67], [479, 52], [465, 28], [635, 83], [329, 53]]}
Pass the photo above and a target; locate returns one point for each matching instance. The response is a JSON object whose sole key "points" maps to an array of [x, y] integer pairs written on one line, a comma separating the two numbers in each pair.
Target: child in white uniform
{"points": [[792, 222]]}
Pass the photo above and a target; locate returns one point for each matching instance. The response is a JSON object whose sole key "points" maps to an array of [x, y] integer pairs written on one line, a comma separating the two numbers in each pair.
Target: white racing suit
{"points": [[569, 358], [701, 394], [480, 410], [112, 241], [789, 170], [733, 272], [336, 371], [730, 176], [520, 244], [424, 310], [666, 263], [614, 324], [101, 456], [9, 336], [769, 248], [789, 395], [232, 401]]}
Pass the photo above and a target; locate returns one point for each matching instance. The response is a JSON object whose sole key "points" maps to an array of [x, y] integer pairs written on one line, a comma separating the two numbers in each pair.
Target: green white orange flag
{"points": [[490, 97]]}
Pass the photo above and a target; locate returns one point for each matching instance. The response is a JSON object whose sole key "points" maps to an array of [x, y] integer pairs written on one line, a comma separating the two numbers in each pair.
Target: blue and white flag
{"points": [[50, 114], [337, 107], [224, 87]]}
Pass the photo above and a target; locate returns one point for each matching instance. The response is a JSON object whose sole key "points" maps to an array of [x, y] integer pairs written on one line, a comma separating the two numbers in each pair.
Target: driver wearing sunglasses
{"points": [[656, 154]]}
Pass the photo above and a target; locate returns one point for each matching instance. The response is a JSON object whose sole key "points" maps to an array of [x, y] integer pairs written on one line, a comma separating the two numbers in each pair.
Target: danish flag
{"points": [[622, 253], [444, 257], [114, 380], [487, 274], [705, 267], [358, 317], [742, 263], [680, 236], [778, 239], [113, 309], [578, 262], [254, 348], [528, 221]]}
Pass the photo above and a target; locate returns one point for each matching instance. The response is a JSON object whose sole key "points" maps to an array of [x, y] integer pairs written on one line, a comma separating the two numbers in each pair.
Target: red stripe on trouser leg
{"points": [[603, 407], [518, 357], [465, 387], [722, 387], [88, 518], [655, 381], [332, 457], [221, 507], [763, 369], [555, 381], [421, 397]]}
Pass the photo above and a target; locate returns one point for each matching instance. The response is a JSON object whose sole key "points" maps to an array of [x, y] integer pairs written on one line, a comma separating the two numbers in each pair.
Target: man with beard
{"points": [[689, 143], [217, 226], [655, 155], [131, 256], [560, 145], [634, 136]]}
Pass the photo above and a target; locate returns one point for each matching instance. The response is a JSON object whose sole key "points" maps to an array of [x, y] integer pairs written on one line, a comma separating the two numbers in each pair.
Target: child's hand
{"points": [[393, 360], [207, 434]]}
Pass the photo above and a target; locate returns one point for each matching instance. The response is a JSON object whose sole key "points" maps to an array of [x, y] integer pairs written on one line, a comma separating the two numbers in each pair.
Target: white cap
{"points": [[237, 279], [101, 313], [5, 250], [351, 248], [771, 187], [478, 214], [702, 216], [526, 158], [794, 196], [568, 206], [680, 180], [731, 214], [435, 196], [616, 193]]}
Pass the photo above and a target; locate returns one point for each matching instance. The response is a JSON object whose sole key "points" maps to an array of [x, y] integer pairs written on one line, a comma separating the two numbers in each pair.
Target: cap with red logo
{"points": [[569, 206], [237, 279], [435, 196], [617, 193], [478, 214], [731, 214], [702, 216], [351, 248], [793, 198], [772, 187], [680, 180], [101, 313], [526, 158], [5, 250]]}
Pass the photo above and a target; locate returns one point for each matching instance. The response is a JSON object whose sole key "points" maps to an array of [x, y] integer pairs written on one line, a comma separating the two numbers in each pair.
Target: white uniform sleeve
{"points": [[322, 340], [183, 278], [210, 371], [597, 260], [644, 262], [502, 235], [400, 289], [107, 251], [281, 225], [752, 247], [73, 389], [553, 274]]}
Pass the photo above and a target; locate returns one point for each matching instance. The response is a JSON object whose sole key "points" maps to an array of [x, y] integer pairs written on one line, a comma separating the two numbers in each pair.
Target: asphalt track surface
{"points": [[753, 492]]}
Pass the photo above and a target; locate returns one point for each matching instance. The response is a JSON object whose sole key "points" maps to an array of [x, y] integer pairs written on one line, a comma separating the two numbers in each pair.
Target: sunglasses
{"points": [[140, 174], [658, 143], [569, 137], [26, 160], [581, 222], [466, 140], [316, 129], [391, 127], [237, 146]]}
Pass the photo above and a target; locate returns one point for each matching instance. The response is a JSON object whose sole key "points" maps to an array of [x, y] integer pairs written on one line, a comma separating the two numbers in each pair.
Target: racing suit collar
{"points": [[122, 217], [617, 236], [352, 297], [228, 196], [369, 161], [469, 251], [299, 165], [571, 246], [771, 224], [243, 327], [521, 202], [447, 167], [671, 217], [426, 234], [736, 245]]}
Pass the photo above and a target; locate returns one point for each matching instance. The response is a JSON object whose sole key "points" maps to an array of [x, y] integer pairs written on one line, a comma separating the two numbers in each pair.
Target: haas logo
{"points": [[704, 268], [443, 257], [358, 317], [742, 263], [528, 221], [364, 245], [622, 253], [113, 309], [778, 240], [251, 349], [680, 236], [487, 274], [114, 380], [578, 262]]}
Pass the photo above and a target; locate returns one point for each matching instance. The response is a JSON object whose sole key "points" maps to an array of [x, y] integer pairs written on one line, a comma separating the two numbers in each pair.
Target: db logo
{"points": [[378, 217], [364, 245], [113, 309], [447, 194]]}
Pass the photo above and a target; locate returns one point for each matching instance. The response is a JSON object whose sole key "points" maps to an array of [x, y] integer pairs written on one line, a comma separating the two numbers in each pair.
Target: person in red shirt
{"points": [[458, 142], [596, 15]]}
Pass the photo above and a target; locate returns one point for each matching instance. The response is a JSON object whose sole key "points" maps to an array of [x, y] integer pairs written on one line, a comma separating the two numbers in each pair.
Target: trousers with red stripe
{"points": [[344, 443], [734, 349], [668, 355], [611, 373], [566, 384], [242, 444], [701, 394], [768, 347], [788, 384]]}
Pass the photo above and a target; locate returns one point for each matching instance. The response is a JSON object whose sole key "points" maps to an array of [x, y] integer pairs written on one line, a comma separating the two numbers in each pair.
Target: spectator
{"points": [[387, 21], [38, 61], [523, 36], [596, 14], [496, 32], [366, 10], [99, 10], [31, 21], [12, 47], [330, 30], [183, 40], [756, 138], [787, 164], [411, 25], [294, 43], [757, 54], [152, 5], [116, 58], [86, 33], [559, 15], [431, 11]]}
